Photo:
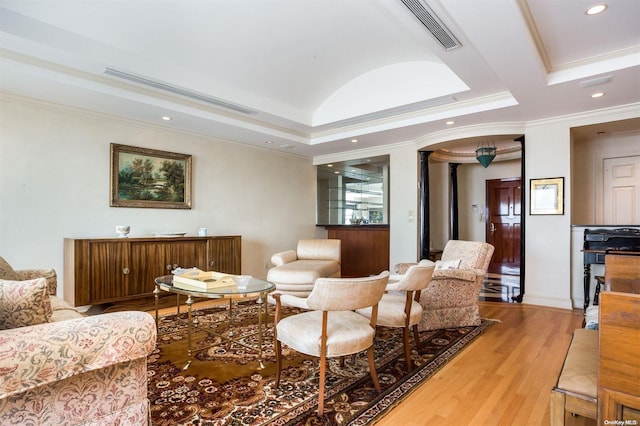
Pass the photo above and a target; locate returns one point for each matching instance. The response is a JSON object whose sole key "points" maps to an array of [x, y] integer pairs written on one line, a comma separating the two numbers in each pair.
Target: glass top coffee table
{"points": [[253, 288]]}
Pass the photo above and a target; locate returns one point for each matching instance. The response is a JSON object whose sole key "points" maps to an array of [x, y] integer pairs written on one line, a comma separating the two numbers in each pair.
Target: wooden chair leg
{"points": [[278, 349], [556, 408], [372, 369], [323, 368], [407, 348], [416, 337]]}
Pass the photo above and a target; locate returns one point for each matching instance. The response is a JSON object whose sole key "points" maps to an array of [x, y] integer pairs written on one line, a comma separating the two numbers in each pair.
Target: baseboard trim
{"points": [[551, 302]]}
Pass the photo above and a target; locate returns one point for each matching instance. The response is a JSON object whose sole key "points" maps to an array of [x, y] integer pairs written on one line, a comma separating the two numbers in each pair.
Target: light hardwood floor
{"points": [[502, 378]]}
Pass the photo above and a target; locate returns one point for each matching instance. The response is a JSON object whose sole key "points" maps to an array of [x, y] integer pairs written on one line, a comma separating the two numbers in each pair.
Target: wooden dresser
{"points": [[105, 270]]}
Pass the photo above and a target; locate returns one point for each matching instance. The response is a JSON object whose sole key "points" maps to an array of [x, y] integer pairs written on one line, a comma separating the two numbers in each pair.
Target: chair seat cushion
{"points": [[303, 271], [349, 333], [580, 370], [62, 310], [294, 288], [391, 311]]}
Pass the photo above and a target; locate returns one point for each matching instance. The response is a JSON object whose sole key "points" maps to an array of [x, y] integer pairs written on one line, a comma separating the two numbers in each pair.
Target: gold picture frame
{"points": [[546, 196], [149, 178]]}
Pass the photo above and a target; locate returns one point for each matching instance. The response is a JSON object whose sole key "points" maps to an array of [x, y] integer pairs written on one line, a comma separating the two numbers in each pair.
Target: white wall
{"points": [[54, 183], [404, 212], [548, 238]]}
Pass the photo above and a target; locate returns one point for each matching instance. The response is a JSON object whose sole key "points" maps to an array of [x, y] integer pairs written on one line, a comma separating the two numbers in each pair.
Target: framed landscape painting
{"points": [[142, 177]]}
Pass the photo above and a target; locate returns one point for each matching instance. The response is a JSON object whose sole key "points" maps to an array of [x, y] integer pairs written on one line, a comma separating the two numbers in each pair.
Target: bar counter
{"points": [[364, 248]]}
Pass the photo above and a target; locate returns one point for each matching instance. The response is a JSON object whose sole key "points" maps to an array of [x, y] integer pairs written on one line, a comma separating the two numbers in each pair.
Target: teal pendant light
{"points": [[485, 154]]}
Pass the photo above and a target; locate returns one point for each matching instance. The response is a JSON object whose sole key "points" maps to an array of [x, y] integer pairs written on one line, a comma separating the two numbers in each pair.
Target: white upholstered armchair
{"points": [[330, 327], [399, 307], [295, 271]]}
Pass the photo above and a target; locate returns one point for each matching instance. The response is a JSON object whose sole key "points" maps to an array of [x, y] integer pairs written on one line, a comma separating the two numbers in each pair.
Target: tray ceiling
{"points": [[310, 76]]}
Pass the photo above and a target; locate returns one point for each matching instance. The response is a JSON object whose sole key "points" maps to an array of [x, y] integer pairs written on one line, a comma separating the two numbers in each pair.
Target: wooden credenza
{"points": [[105, 270]]}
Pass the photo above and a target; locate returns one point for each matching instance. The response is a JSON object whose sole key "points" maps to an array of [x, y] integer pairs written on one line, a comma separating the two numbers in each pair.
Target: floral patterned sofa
{"points": [[59, 367]]}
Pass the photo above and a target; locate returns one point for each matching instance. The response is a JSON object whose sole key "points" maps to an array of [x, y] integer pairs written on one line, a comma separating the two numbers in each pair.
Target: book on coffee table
{"points": [[202, 280]]}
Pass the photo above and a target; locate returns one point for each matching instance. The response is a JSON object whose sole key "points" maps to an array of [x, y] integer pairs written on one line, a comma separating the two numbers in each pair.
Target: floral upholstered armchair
{"points": [[64, 368], [451, 300]]}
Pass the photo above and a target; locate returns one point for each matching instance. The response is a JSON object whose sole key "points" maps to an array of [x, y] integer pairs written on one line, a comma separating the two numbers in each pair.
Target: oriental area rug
{"points": [[224, 383]]}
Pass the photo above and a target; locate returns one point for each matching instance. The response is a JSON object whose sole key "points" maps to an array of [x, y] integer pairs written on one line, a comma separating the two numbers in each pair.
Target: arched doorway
{"points": [[455, 204]]}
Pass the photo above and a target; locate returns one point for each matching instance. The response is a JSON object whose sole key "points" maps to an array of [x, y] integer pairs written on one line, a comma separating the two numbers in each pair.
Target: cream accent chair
{"points": [[296, 271], [451, 300], [400, 307], [330, 327]]}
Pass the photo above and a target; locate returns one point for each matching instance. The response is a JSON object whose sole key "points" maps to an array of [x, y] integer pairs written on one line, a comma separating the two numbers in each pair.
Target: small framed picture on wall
{"points": [[546, 196]]}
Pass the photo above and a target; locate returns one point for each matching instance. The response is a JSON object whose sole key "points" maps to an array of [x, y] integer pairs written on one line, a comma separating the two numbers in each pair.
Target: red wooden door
{"points": [[503, 224]]}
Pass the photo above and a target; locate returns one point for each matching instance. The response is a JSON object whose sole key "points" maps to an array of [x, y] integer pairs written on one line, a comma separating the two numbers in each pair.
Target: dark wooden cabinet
{"points": [[113, 269], [364, 249], [219, 260]]}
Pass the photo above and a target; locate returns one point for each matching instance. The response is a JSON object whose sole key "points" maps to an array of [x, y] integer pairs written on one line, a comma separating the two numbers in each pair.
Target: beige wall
{"points": [[54, 183]]}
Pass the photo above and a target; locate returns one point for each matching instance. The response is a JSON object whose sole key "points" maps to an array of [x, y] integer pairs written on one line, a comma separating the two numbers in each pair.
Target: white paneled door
{"points": [[622, 190]]}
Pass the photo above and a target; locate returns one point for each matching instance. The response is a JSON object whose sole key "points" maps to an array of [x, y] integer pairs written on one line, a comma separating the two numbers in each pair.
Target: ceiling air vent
{"points": [[432, 23], [177, 90]]}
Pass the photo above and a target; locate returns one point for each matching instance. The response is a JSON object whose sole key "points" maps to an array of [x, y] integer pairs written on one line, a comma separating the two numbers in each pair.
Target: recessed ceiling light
{"points": [[268, 142], [166, 118], [594, 10], [450, 122], [336, 172], [597, 95], [354, 140], [329, 165]]}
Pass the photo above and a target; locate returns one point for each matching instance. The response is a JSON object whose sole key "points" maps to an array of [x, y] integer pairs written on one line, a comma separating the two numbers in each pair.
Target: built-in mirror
{"points": [[353, 192]]}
